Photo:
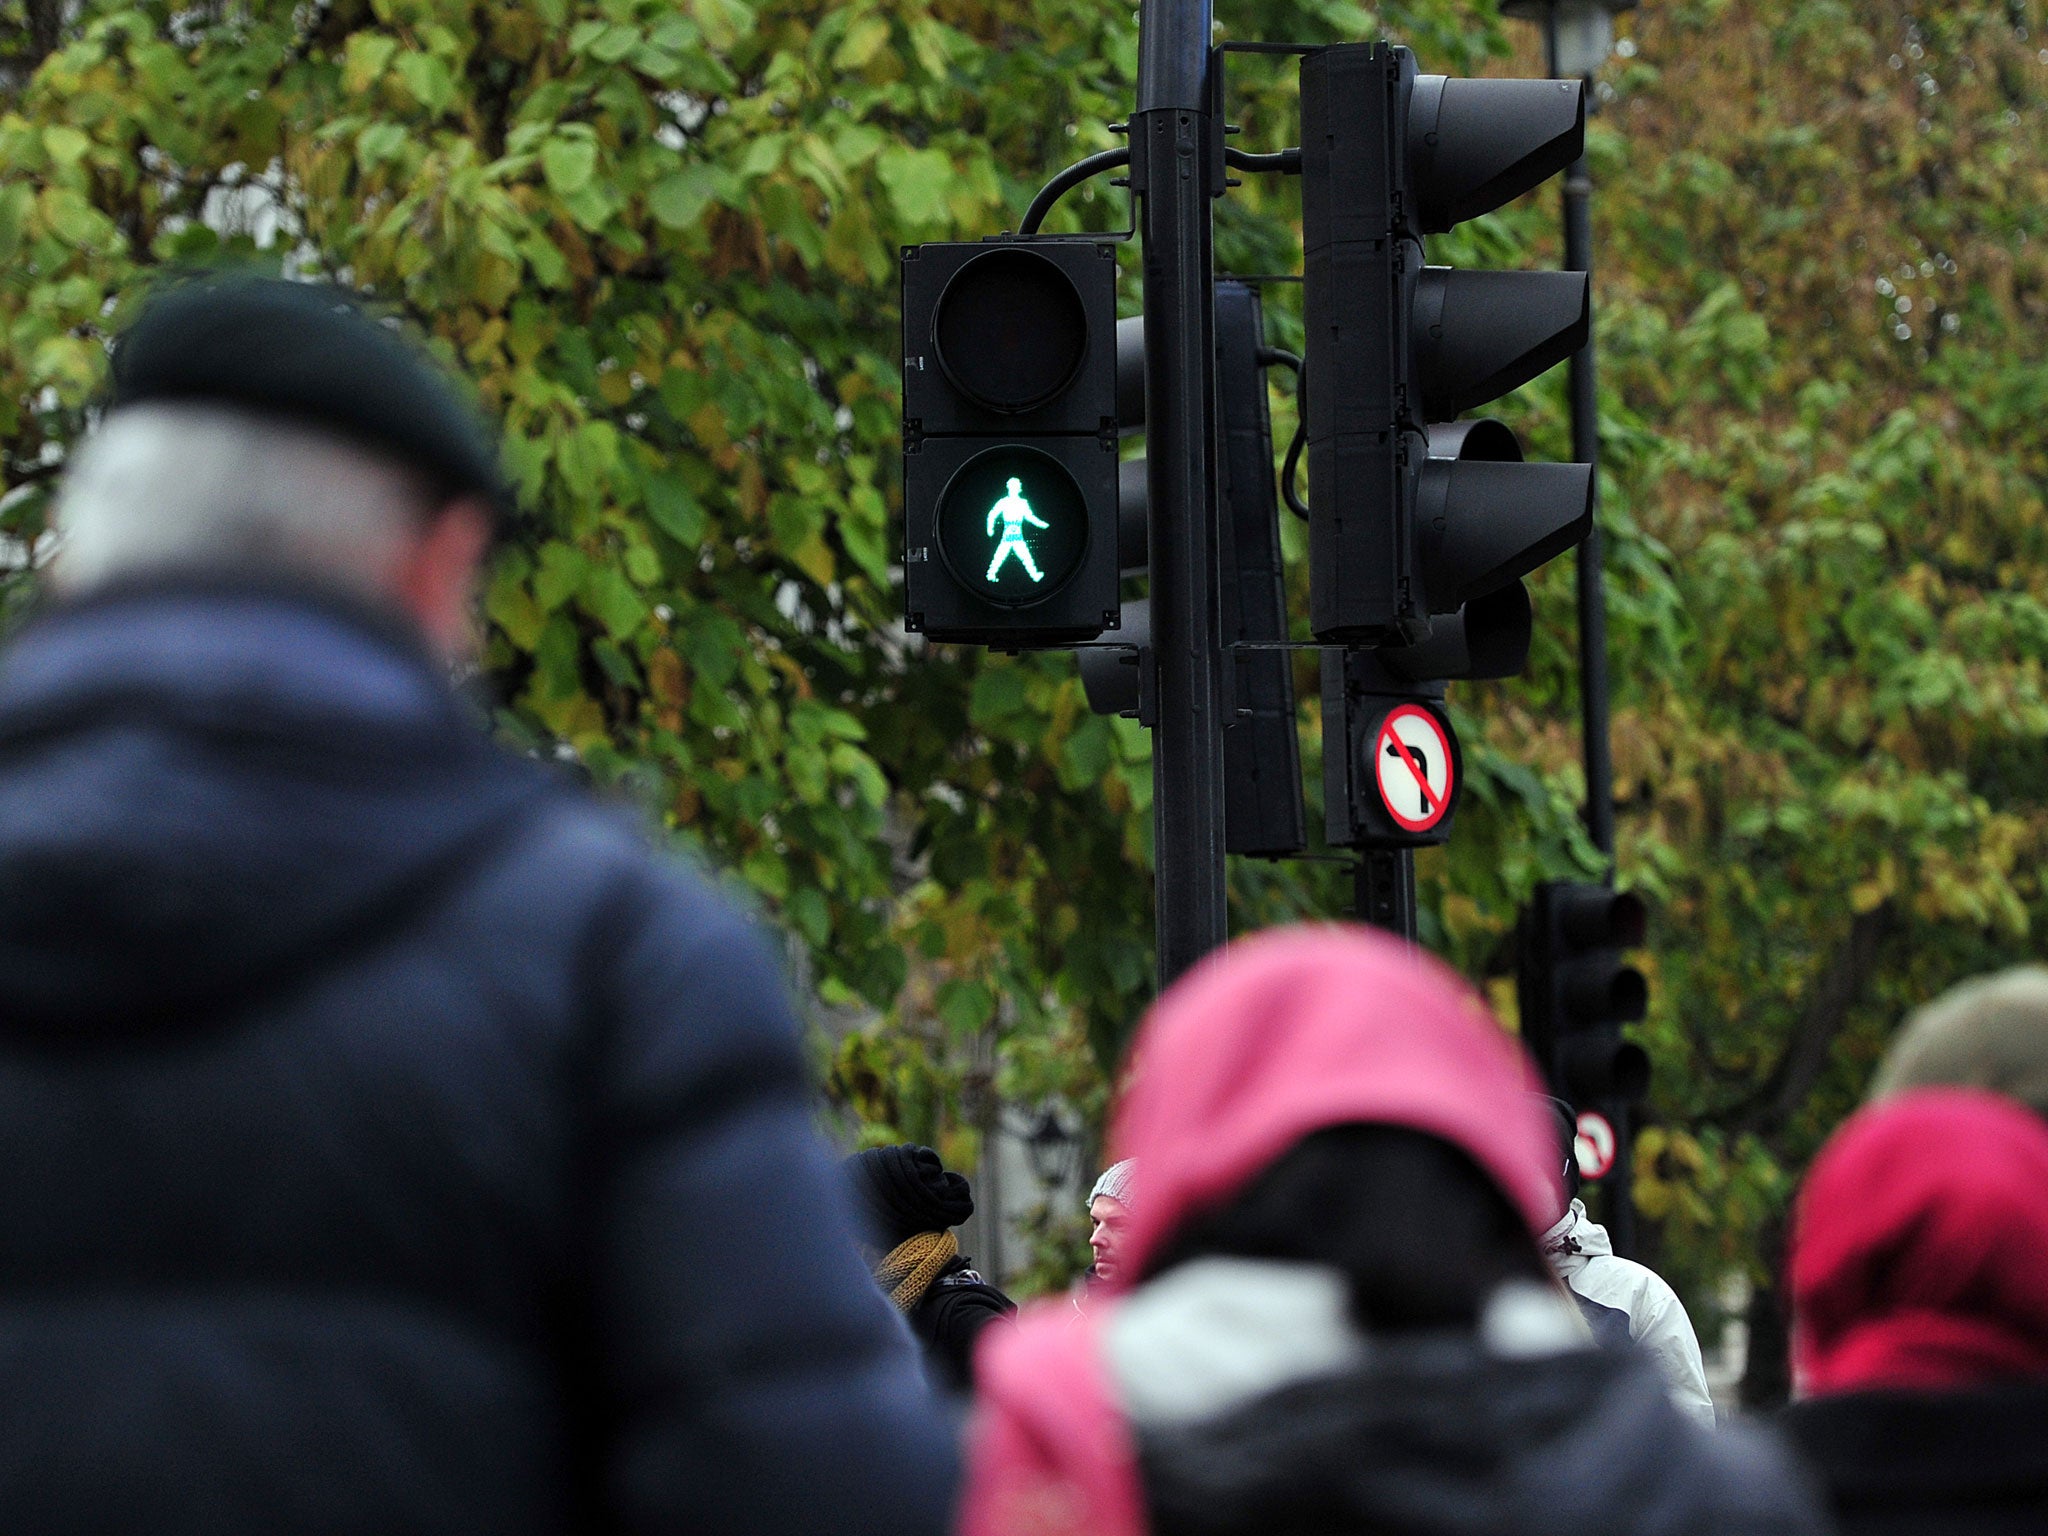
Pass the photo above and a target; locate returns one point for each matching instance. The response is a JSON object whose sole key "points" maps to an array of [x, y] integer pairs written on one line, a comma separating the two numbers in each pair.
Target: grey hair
{"points": [[200, 486]]}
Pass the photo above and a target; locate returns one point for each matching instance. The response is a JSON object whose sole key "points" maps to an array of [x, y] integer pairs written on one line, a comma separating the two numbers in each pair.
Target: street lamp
{"points": [[1577, 34], [1050, 1148], [1577, 37]]}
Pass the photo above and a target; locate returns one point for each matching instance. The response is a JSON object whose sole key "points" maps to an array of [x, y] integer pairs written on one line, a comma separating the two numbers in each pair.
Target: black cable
{"points": [[1066, 181], [1268, 357], [1286, 161]]}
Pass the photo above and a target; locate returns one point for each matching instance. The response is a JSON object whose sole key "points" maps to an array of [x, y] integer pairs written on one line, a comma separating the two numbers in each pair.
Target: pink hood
{"points": [[1920, 1247], [1280, 1035]]}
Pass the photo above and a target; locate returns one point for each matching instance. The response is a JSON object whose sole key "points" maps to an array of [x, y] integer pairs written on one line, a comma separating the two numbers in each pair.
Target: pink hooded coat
{"points": [[1278, 1036]]}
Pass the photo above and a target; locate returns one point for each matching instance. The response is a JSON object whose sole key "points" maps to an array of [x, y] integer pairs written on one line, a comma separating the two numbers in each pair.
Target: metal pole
{"points": [[1594, 726], [1170, 171], [1592, 589], [1385, 894]]}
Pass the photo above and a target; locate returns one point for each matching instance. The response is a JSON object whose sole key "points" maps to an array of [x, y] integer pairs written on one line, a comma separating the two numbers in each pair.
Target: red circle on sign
{"points": [[1414, 767], [1595, 1145]]}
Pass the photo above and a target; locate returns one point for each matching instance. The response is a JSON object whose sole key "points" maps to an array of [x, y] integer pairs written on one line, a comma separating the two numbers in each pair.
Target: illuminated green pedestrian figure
{"points": [[1015, 512]]}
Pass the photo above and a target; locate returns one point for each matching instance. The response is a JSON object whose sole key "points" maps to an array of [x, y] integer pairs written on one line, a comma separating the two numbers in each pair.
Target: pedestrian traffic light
{"points": [[1009, 441], [1263, 815], [1576, 990], [1400, 539]]}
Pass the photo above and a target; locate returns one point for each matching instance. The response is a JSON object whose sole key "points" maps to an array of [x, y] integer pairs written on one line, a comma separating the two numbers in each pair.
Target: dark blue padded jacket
{"points": [[389, 1142]]}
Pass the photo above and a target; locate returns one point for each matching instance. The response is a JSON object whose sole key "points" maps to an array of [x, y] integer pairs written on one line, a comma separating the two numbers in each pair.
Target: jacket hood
{"points": [[206, 789], [1300, 1029], [1575, 1238], [1277, 1037], [1920, 1247]]}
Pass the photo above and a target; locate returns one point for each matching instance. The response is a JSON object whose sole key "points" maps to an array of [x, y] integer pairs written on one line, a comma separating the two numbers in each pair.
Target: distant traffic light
{"points": [[1263, 813], [1009, 441], [1399, 539], [1577, 990]]}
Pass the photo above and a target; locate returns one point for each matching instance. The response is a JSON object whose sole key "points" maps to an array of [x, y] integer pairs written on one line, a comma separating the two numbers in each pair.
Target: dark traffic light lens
{"points": [[1012, 525], [1010, 332]]}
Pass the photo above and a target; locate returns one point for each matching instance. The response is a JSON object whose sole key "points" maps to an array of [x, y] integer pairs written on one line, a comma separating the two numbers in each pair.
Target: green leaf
{"points": [[427, 79], [614, 43], [380, 142], [918, 181], [364, 60], [563, 570], [614, 603], [678, 201], [65, 144], [568, 164], [673, 509], [863, 40]]}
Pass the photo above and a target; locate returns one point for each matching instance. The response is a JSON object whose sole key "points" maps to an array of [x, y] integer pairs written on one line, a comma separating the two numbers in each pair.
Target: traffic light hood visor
{"points": [[1301, 1029]]}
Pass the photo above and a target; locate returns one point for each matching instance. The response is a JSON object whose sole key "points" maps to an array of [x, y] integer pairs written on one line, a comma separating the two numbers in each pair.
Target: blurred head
{"points": [[1109, 1214], [1332, 1095], [264, 427], [194, 487], [1990, 1033], [901, 1191], [1108, 1219], [1920, 1247], [1569, 1179]]}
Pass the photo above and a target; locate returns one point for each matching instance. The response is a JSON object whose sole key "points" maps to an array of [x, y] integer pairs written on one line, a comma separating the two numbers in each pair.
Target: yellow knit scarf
{"points": [[913, 1264]]}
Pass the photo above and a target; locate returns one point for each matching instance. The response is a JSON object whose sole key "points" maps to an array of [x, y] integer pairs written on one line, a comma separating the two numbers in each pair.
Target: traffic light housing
{"points": [[1400, 539], [1263, 812], [1577, 991], [1009, 441]]}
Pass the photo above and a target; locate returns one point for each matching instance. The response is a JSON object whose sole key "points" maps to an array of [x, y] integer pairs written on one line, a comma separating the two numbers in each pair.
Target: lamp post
{"points": [[1578, 35]]}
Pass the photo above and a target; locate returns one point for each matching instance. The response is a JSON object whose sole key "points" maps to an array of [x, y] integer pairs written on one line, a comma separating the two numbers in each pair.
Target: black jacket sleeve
{"points": [[950, 1318], [762, 1384]]}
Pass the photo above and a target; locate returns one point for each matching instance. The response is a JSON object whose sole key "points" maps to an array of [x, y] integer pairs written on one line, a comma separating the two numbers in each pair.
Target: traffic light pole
{"points": [[1592, 594], [1592, 553], [1592, 581], [1385, 891], [1172, 175]]}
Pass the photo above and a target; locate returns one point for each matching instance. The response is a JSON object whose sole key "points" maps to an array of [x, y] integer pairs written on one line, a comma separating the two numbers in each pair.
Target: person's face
{"points": [[1111, 1217]]}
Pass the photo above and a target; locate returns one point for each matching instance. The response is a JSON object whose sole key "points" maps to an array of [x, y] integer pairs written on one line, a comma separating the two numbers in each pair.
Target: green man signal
{"points": [[1014, 512], [1010, 477]]}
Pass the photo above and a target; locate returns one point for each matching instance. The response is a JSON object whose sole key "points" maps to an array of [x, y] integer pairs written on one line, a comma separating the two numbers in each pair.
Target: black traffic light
{"points": [[1263, 815], [1372, 794], [1400, 539], [1576, 990], [1009, 441]]}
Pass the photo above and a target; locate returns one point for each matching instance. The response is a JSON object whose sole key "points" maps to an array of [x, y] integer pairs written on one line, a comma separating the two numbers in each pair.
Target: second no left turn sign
{"points": [[1412, 765]]}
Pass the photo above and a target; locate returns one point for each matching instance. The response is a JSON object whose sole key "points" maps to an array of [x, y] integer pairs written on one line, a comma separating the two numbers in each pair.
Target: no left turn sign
{"points": [[1595, 1145], [1412, 766]]}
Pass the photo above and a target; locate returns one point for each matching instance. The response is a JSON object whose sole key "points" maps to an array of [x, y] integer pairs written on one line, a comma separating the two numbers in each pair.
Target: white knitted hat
{"points": [[1116, 1182]]}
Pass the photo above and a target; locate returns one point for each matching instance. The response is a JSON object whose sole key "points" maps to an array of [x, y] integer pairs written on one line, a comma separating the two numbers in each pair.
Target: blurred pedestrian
{"points": [[392, 1141], [1330, 1312], [1109, 1215], [1920, 1317], [1989, 1032], [1623, 1302], [909, 1202]]}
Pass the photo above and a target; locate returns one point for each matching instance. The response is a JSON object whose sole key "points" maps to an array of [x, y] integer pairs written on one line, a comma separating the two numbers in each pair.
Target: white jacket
{"points": [[1584, 1259]]}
